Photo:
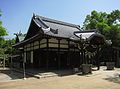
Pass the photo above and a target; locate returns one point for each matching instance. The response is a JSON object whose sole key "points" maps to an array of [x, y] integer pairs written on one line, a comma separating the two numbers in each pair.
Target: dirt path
{"points": [[98, 80]]}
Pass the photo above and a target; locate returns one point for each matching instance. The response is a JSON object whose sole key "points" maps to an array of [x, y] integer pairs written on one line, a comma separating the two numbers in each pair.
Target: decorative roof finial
{"points": [[33, 15]]}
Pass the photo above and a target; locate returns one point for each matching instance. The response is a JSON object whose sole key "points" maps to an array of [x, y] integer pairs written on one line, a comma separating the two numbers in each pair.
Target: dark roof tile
{"points": [[57, 28]]}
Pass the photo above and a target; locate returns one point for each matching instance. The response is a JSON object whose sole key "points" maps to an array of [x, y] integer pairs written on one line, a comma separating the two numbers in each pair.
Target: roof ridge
{"points": [[57, 21]]}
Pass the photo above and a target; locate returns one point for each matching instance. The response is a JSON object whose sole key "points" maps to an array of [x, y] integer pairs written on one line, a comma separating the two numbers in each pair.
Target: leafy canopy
{"points": [[107, 23], [4, 46], [3, 31]]}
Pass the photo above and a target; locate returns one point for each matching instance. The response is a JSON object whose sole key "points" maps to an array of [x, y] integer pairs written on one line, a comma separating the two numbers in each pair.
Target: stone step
{"points": [[45, 75]]}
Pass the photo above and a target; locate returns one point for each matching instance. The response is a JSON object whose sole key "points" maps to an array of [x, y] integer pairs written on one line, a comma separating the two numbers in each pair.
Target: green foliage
{"points": [[107, 23], [3, 31], [8, 46], [5, 45], [1, 51]]}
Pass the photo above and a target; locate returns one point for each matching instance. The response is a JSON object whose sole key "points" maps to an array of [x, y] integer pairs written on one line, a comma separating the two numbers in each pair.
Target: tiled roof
{"points": [[56, 28], [90, 35], [45, 26]]}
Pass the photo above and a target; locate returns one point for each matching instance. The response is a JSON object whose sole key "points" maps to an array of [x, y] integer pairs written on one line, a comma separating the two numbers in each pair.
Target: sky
{"points": [[17, 14]]}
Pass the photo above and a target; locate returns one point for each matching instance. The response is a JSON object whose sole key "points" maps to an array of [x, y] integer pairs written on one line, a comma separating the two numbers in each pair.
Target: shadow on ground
{"points": [[114, 78], [41, 73], [7, 74]]}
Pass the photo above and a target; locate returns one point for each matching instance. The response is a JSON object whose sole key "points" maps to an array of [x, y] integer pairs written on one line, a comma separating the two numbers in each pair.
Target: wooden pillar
{"points": [[82, 53], [84, 57], [98, 58], [39, 44], [47, 54], [24, 61], [59, 62], [118, 58], [31, 58], [39, 54], [68, 56]]}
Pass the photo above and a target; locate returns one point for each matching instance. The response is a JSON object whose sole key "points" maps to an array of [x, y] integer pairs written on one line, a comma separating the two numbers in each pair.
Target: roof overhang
{"points": [[22, 43], [36, 37], [92, 36]]}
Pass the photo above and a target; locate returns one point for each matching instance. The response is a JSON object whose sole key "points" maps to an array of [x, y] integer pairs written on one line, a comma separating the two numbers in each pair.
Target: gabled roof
{"points": [[51, 27], [91, 35], [42, 26]]}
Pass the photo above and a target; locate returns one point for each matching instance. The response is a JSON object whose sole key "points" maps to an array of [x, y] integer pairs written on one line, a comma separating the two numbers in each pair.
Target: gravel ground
{"points": [[101, 79]]}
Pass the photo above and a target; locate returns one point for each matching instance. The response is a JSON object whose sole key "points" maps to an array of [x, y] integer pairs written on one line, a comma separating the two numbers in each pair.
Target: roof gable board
{"points": [[34, 29]]}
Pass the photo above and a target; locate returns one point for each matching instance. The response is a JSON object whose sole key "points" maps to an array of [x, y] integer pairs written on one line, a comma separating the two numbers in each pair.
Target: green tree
{"points": [[3, 31], [107, 23], [8, 46]]}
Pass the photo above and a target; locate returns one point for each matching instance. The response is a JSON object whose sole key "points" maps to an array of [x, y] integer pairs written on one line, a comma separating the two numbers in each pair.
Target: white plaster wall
{"points": [[43, 45], [53, 40], [53, 45], [63, 46], [64, 41], [43, 41]]}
